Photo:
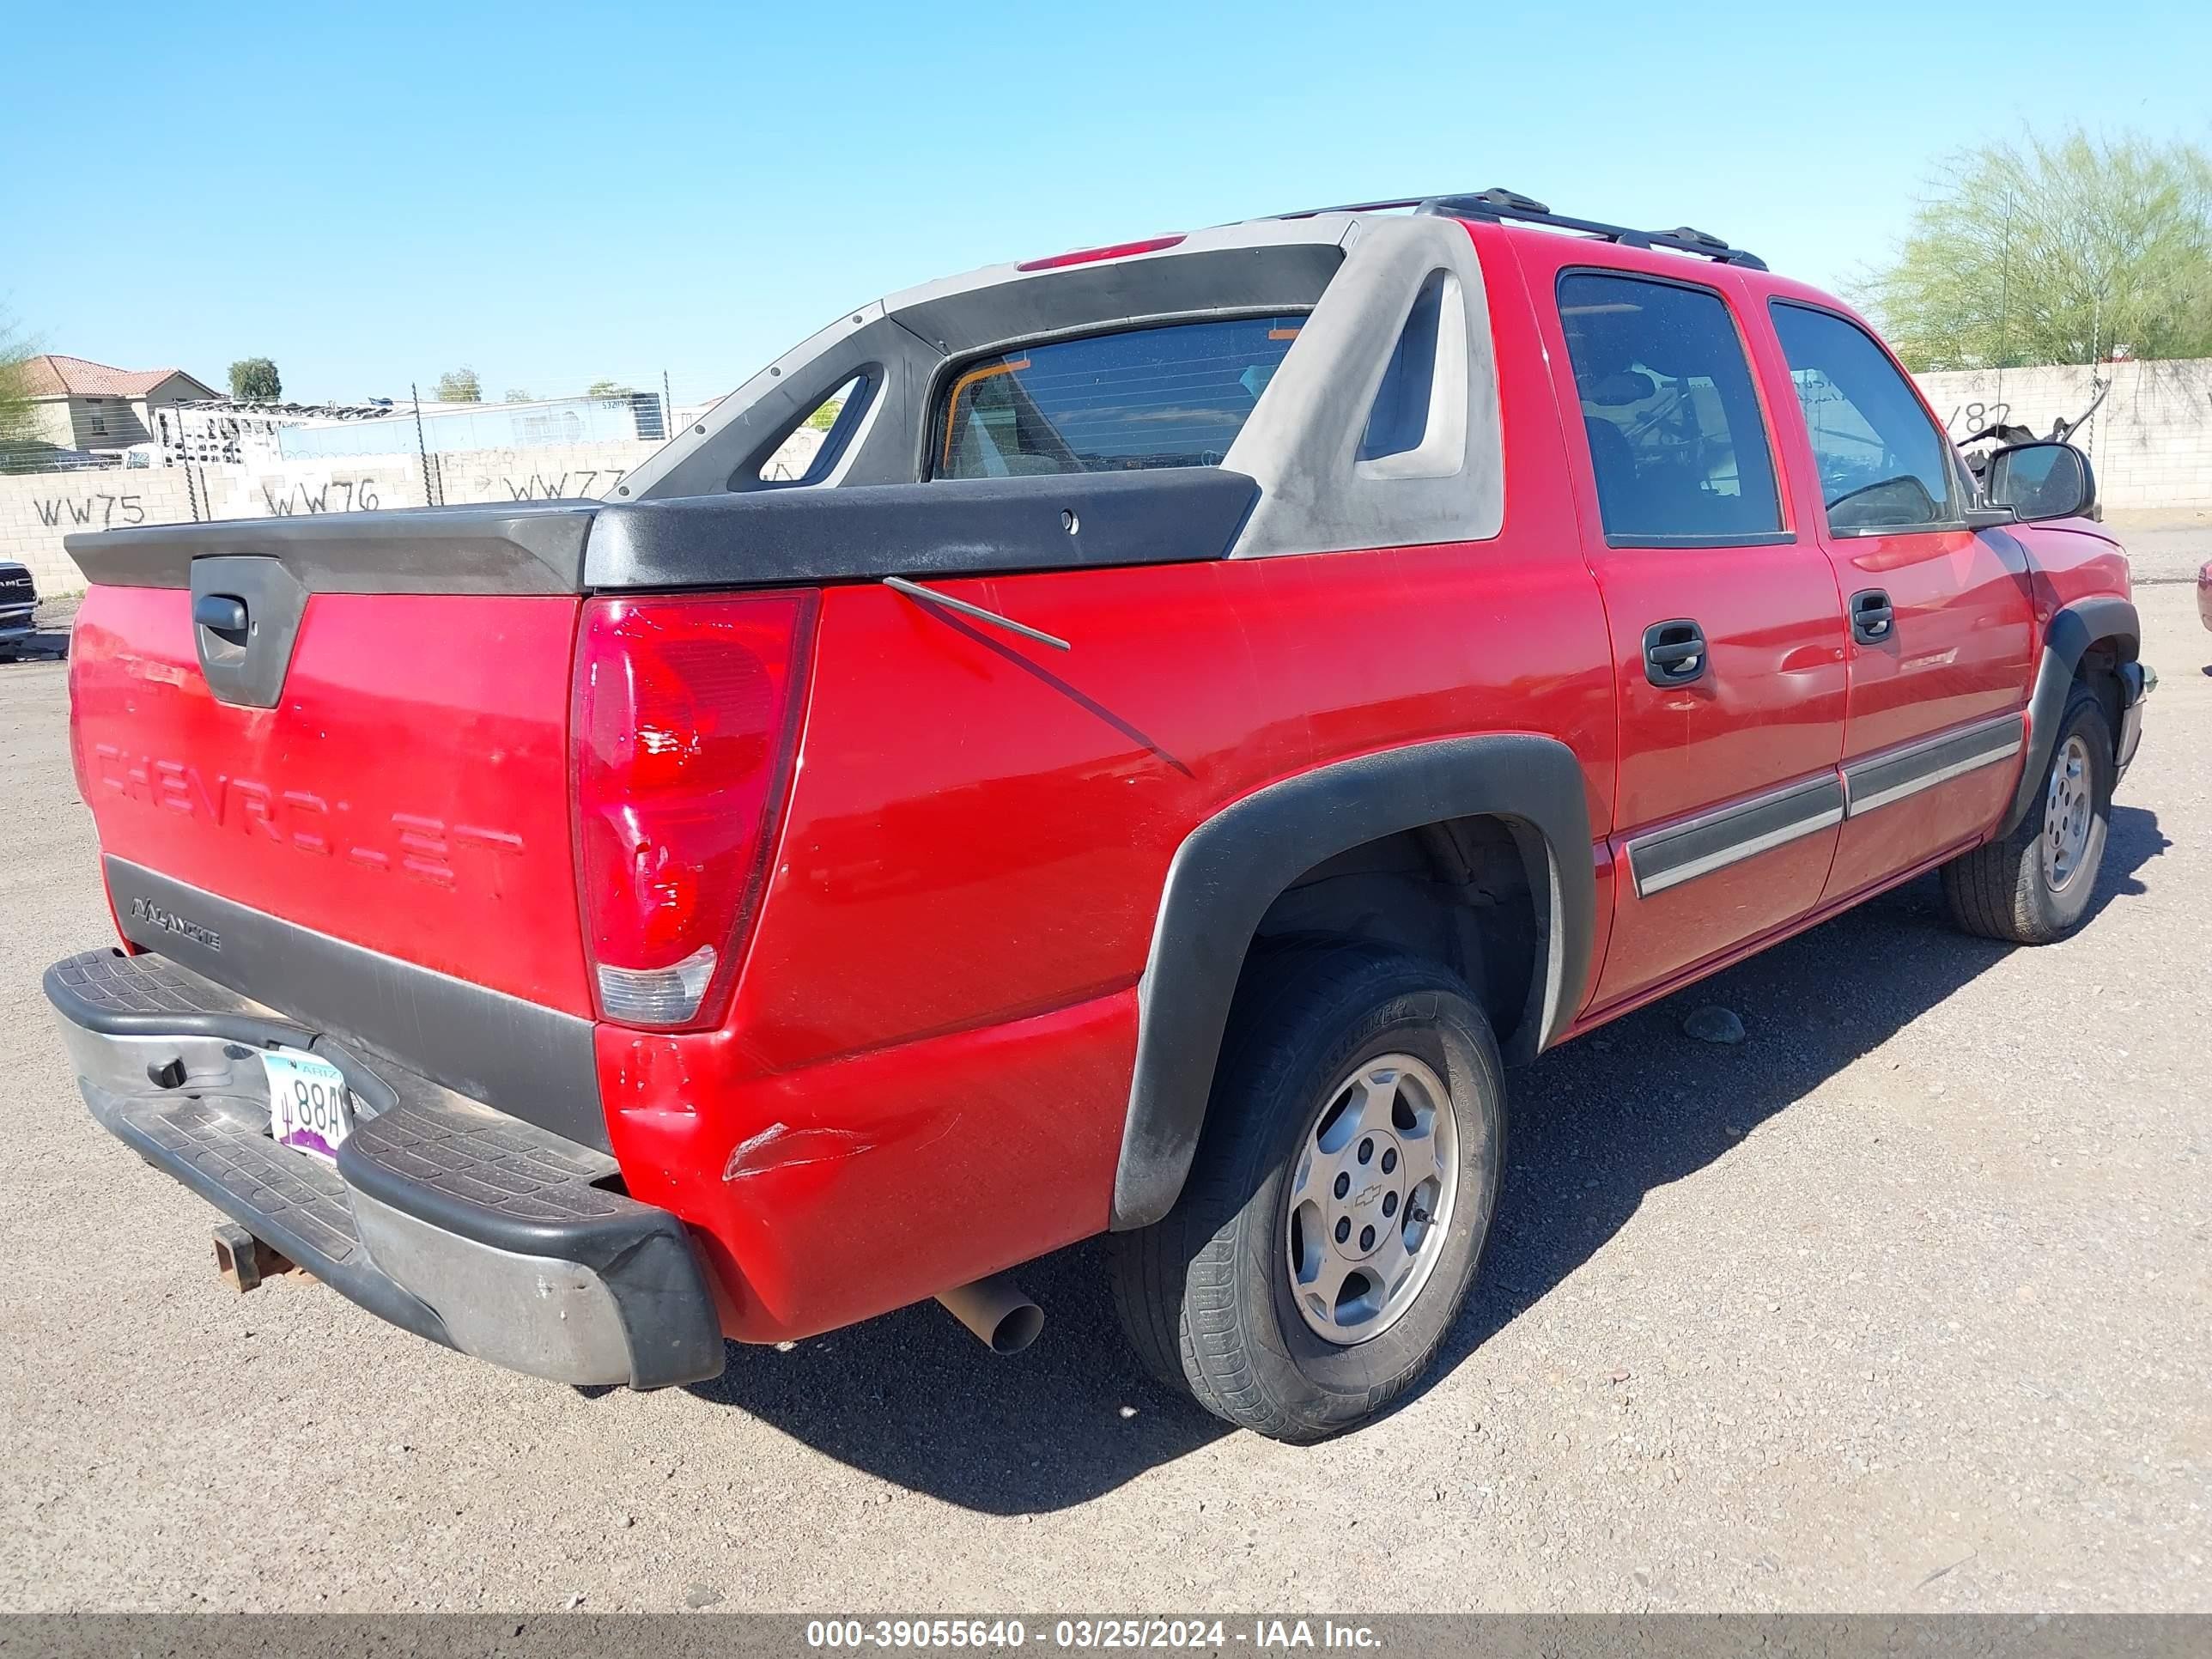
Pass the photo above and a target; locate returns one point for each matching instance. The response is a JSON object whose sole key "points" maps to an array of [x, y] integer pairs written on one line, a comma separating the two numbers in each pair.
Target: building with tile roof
{"points": [[78, 404]]}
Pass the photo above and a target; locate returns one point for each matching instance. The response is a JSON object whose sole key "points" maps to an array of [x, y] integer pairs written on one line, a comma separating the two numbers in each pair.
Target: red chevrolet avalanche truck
{"points": [[1208, 705]]}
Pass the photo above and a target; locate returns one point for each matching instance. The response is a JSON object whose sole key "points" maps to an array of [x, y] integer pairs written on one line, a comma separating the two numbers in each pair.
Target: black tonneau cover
{"points": [[950, 527]]}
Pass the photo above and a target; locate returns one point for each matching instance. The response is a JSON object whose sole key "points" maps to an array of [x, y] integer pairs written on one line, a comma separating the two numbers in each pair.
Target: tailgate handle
{"points": [[223, 614], [246, 612]]}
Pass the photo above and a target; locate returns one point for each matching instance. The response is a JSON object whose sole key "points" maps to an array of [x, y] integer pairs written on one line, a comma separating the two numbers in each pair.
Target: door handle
{"points": [[1674, 652], [223, 614], [1872, 617]]}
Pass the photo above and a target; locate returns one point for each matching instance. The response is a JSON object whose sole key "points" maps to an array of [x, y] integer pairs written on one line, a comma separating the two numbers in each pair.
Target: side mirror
{"points": [[2048, 480]]}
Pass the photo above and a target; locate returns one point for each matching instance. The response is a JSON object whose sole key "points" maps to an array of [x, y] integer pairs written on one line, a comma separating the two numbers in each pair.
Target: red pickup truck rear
{"points": [[1209, 702]]}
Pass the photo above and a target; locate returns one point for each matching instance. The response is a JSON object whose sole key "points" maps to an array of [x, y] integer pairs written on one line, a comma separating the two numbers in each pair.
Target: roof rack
{"points": [[1496, 205]]}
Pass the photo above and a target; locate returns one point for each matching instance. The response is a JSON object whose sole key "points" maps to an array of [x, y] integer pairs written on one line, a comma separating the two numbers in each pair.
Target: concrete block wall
{"points": [[2150, 440], [37, 510], [369, 484]]}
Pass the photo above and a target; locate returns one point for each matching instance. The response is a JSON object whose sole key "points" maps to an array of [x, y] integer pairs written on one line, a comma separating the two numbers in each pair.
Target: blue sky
{"points": [[371, 194]]}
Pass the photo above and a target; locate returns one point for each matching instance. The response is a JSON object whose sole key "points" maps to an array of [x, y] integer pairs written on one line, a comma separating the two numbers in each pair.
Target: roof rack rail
{"points": [[1496, 204]]}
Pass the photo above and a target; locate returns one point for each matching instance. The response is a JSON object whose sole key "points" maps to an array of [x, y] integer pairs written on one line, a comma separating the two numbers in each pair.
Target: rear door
{"points": [[1941, 624], [1726, 628]]}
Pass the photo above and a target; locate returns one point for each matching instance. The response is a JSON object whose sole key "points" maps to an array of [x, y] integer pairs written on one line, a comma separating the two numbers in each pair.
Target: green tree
{"points": [[460, 385], [516, 394], [255, 380], [15, 406], [2055, 254], [608, 389]]}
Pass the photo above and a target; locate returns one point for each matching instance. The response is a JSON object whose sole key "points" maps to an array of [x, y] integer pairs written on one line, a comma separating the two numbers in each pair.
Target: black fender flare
{"points": [[1233, 866], [2072, 631]]}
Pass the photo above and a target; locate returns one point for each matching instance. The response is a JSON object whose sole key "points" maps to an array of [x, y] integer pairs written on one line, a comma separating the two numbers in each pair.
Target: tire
{"points": [[1206, 1294], [2013, 888]]}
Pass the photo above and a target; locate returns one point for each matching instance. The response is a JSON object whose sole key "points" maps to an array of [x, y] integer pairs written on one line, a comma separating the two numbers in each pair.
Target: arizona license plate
{"points": [[308, 1108]]}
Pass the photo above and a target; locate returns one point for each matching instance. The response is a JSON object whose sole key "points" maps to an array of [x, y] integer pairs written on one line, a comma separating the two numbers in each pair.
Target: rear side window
{"points": [[1399, 419], [1676, 440], [1883, 465], [1176, 395]]}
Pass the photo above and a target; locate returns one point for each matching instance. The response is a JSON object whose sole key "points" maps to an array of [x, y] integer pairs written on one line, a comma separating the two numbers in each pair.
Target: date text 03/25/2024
{"points": [[1214, 1635]]}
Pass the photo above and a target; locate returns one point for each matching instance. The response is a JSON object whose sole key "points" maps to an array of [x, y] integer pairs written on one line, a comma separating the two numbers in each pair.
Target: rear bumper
{"points": [[471, 1228]]}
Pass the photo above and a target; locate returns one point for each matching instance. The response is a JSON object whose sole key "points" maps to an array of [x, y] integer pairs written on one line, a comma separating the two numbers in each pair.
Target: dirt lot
{"points": [[1903, 1303]]}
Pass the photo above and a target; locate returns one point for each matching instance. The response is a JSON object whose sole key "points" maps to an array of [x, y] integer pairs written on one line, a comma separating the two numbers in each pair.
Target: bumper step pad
{"points": [[300, 1199], [501, 1164], [118, 987], [459, 1223]]}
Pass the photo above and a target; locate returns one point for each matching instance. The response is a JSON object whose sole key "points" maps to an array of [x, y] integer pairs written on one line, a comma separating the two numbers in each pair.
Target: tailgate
{"points": [[408, 787], [329, 764]]}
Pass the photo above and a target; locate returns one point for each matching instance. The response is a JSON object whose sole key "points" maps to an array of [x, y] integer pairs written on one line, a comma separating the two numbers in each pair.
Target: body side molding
{"points": [[1876, 779], [2072, 632], [1233, 866], [1713, 841]]}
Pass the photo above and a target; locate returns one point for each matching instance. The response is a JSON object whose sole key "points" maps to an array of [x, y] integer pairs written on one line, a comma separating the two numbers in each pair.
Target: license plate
{"points": [[308, 1108]]}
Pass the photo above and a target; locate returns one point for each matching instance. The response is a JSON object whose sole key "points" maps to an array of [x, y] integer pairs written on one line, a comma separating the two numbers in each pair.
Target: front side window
{"points": [[1676, 440], [1175, 395], [1883, 465]]}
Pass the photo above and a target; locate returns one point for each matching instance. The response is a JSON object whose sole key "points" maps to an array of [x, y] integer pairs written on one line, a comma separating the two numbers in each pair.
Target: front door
{"points": [[1942, 626], [1727, 631]]}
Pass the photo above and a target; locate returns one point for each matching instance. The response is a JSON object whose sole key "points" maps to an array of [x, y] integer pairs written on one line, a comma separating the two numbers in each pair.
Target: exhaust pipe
{"points": [[1003, 1319]]}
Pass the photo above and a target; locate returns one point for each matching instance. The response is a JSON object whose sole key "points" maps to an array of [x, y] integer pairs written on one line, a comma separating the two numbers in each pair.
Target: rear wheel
{"points": [[2034, 886], [1340, 1199]]}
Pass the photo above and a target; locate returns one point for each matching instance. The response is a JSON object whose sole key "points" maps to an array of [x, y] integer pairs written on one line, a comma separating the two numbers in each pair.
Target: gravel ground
{"points": [[2166, 545], [1902, 1304]]}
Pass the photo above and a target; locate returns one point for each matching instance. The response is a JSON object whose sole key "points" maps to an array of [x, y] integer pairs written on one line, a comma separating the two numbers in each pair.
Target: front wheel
{"points": [[1339, 1202], [2034, 886]]}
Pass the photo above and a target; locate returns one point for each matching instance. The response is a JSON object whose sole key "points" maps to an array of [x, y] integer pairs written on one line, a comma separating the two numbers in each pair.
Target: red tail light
{"points": [[687, 714]]}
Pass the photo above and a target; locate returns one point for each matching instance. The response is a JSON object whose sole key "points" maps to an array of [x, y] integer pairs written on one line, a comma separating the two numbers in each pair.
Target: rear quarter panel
{"points": [[936, 1023], [928, 1062]]}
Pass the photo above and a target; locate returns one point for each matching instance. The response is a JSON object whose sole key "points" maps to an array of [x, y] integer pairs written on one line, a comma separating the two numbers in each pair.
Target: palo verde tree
{"points": [[15, 390], [255, 380], [2055, 254], [460, 385]]}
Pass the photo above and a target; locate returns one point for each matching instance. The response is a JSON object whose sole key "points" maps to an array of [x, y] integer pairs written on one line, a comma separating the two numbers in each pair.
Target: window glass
{"points": [[1399, 419], [812, 446], [1172, 395], [1675, 436], [793, 460], [1883, 465]]}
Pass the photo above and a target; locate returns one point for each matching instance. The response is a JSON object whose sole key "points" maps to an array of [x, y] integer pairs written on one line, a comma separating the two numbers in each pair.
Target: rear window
{"points": [[1176, 395]]}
